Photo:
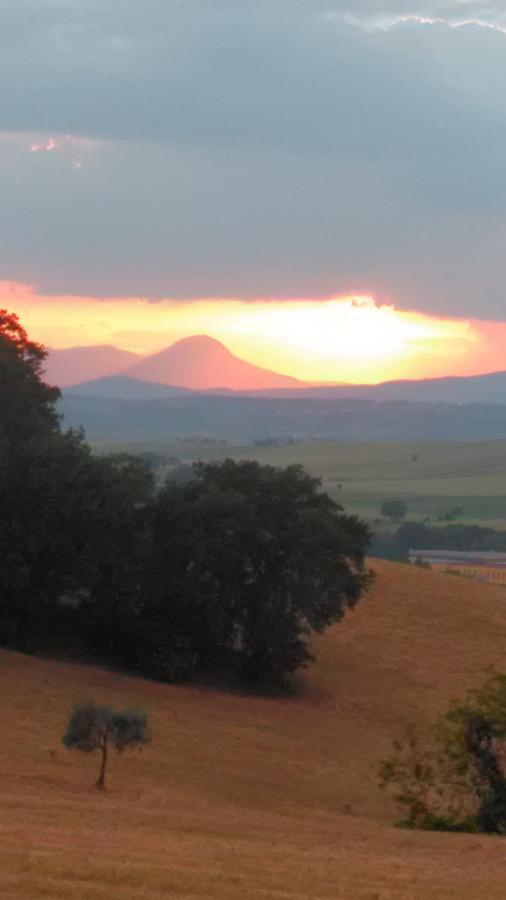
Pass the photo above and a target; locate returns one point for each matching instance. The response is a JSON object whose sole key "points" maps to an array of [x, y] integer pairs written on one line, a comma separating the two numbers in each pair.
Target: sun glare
{"points": [[353, 329], [345, 338]]}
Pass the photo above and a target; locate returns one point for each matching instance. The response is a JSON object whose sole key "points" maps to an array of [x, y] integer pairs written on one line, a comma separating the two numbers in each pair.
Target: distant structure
{"points": [[482, 566]]}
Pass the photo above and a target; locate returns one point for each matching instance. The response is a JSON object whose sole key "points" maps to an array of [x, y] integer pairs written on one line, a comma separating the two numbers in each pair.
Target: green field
{"points": [[433, 478]]}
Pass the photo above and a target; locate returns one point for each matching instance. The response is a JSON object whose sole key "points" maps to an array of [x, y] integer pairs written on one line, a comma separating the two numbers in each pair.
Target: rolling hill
{"points": [[201, 363], [247, 797]]}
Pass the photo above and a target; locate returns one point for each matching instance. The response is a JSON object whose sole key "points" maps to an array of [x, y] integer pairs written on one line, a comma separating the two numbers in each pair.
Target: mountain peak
{"points": [[197, 343], [198, 340], [203, 363]]}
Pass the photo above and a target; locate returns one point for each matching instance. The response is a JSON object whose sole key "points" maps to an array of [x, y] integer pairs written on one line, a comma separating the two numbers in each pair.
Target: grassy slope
{"points": [[241, 797], [467, 474]]}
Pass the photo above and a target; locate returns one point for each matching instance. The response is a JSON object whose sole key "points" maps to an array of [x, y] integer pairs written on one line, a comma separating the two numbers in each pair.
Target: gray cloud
{"points": [[256, 149]]}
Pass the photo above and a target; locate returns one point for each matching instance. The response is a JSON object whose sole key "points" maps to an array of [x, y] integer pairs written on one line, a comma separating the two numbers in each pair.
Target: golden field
{"points": [[246, 797]]}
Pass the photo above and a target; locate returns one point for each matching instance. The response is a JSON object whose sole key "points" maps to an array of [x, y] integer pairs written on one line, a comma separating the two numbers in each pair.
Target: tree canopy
{"points": [[248, 560]]}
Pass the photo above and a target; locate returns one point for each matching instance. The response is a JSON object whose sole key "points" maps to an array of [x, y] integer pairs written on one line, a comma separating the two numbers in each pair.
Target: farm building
{"points": [[482, 566]]}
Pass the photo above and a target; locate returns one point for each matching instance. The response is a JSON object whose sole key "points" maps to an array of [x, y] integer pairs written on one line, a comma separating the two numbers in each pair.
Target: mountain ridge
{"points": [[201, 363], [68, 366]]}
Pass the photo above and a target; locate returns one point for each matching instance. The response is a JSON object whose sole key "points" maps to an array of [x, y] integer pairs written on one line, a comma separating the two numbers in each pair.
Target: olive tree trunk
{"points": [[101, 778]]}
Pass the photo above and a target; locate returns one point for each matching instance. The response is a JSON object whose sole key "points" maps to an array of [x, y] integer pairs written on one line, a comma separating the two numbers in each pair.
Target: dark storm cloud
{"points": [[256, 149]]}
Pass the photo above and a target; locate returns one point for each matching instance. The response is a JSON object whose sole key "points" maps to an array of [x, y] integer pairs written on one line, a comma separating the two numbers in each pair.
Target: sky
{"points": [[320, 184]]}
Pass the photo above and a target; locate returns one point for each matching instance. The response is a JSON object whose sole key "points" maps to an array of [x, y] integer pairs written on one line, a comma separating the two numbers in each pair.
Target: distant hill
{"points": [[255, 797], [120, 387], [244, 419], [76, 364], [202, 363], [490, 388]]}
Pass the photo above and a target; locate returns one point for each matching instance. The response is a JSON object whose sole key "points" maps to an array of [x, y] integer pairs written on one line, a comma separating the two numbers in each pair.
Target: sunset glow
{"points": [[340, 339]]}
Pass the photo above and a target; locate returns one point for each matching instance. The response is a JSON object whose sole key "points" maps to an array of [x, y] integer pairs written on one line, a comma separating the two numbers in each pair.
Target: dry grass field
{"points": [[243, 797]]}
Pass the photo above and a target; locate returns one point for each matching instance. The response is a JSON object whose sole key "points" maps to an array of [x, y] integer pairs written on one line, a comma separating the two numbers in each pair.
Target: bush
{"points": [[454, 777]]}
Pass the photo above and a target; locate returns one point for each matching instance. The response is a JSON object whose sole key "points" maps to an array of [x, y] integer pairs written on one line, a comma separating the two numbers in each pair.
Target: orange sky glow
{"points": [[340, 339]]}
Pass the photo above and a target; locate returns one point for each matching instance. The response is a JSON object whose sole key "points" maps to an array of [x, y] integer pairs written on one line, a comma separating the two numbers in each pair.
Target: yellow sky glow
{"points": [[340, 339]]}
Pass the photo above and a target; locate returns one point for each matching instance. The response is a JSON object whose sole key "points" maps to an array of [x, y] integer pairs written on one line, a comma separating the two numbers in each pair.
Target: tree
{"points": [[455, 778], [71, 527], [394, 509], [92, 727], [249, 560], [71, 523], [27, 404]]}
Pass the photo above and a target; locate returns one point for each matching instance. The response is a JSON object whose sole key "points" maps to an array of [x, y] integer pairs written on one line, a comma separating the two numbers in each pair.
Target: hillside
{"points": [[201, 363], [243, 797]]}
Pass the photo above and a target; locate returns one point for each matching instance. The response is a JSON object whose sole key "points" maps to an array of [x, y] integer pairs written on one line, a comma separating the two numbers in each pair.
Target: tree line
{"points": [[418, 535], [230, 572]]}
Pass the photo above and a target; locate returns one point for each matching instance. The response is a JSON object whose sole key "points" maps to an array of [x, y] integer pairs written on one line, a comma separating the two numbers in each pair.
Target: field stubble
{"points": [[244, 797]]}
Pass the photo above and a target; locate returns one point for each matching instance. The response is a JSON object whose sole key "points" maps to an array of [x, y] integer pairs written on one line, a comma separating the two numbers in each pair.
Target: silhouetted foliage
{"points": [[454, 777], [92, 727]]}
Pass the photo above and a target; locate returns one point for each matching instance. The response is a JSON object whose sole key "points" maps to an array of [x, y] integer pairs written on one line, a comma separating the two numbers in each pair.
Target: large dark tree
{"points": [[70, 527], [69, 521], [248, 561]]}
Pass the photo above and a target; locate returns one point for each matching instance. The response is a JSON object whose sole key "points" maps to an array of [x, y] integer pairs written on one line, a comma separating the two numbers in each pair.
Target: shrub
{"points": [[454, 777]]}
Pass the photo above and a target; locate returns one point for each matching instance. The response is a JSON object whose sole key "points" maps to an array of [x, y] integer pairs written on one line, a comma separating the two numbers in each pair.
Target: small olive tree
{"points": [[92, 727]]}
